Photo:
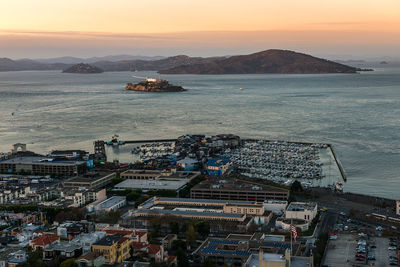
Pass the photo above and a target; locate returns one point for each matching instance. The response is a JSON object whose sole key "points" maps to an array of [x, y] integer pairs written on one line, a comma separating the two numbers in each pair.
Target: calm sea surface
{"points": [[359, 114]]}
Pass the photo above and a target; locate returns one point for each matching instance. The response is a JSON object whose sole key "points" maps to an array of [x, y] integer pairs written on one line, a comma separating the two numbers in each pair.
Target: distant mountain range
{"points": [[269, 61], [114, 58]]}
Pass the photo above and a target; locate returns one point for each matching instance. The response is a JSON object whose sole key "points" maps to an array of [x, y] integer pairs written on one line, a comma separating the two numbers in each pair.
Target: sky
{"points": [[338, 29]]}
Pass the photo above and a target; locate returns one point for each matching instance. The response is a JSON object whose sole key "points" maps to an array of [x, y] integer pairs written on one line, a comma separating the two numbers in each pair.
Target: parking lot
{"points": [[341, 252]]}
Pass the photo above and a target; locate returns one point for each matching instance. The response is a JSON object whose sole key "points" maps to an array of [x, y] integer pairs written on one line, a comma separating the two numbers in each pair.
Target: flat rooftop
{"points": [[89, 179], [204, 201], [163, 174], [151, 184], [301, 206], [111, 201], [39, 160], [237, 185], [190, 213]]}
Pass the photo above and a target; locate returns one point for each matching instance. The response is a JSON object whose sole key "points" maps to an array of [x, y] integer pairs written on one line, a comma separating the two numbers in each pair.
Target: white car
{"points": [[392, 248], [379, 228]]}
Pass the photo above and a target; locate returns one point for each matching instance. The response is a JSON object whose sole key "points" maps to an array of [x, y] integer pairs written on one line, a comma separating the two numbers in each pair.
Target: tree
{"points": [[190, 235], [133, 196], [208, 262], [296, 187], [69, 263], [174, 227], [34, 260], [178, 244], [182, 258], [203, 228]]}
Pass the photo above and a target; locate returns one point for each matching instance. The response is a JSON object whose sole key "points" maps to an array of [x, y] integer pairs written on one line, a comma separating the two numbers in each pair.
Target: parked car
{"points": [[333, 237], [371, 257], [392, 248]]}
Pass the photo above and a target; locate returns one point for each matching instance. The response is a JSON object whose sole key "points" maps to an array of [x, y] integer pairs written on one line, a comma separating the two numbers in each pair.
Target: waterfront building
{"points": [[235, 189], [217, 166], [398, 207], [188, 164], [42, 165]]}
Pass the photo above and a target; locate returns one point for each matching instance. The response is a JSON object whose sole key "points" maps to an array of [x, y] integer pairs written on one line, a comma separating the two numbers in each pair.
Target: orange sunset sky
{"points": [[334, 29]]}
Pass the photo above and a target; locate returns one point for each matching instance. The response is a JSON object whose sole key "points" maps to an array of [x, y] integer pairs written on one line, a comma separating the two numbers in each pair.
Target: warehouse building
{"points": [[42, 165], [235, 189]]}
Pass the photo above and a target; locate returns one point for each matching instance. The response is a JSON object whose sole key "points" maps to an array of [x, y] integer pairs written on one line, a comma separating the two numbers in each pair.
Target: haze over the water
{"points": [[338, 29]]}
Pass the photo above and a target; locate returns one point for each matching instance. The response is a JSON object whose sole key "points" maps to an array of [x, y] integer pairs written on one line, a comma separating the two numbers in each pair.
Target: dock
{"points": [[338, 163], [149, 141]]}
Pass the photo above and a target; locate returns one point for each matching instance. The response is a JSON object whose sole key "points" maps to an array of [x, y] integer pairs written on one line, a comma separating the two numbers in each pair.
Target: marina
{"points": [[313, 164]]}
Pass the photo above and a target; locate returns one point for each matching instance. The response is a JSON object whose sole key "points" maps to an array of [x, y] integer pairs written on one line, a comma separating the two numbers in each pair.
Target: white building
{"points": [[276, 206], [301, 210], [398, 207]]}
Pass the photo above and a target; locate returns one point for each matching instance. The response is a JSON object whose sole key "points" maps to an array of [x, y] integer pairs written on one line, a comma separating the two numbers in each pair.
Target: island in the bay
{"points": [[268, 61], [154, 85], [83, 69]]}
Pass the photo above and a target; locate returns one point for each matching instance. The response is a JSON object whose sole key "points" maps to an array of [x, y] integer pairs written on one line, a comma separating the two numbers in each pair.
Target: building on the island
{"points": [[217, 166], [235, 189], [90, 180], [114, 248], [301, 210], [112, 203], [90, 259], [42, 165]]}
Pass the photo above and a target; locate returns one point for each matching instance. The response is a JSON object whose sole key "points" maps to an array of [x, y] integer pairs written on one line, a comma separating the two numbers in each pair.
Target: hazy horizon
{"points": [[334, 30]]}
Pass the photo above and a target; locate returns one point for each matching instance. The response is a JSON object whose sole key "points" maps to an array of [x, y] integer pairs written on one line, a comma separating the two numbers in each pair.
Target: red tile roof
{"points": [[153, 249], [45, 239], [139, 245]]}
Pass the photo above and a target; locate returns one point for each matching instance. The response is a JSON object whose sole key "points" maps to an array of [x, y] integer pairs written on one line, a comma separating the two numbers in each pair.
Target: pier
{"points": [[338, 163], [149, 141]]}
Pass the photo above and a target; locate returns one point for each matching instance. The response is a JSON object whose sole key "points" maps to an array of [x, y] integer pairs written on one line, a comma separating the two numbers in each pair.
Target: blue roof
{"points": [[209, 201], [217, 162], [212, 250]]}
